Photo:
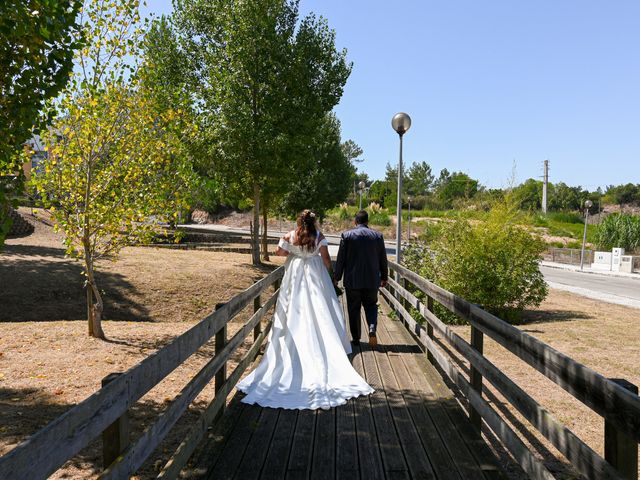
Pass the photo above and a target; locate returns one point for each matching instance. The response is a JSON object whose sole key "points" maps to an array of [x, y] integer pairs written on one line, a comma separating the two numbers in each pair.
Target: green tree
{"points": [[624, 194], [114, 166], [492, 263], [37, 40], [456, 185], [390, 187], [528, 195], [326, 179], [565, 197], [264, 84], [419, 179]]}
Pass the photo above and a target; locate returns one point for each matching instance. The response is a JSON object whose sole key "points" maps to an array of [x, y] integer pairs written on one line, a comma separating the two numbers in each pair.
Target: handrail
{"points": [[618, 406], [69, 433]]}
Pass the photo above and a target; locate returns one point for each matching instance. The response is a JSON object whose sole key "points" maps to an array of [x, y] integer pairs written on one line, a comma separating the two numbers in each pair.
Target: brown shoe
{"points": [[373, 340]]}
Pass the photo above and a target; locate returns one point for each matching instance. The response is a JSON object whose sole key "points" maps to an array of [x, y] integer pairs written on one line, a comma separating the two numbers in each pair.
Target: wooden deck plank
{"points": [[411, 427], [390, 448], [346, 442], [369, 457], [302, 447], [208, 454], [277, 461], [457, 447], [415, 455], [258, 447], [323, 464], [233, 451], [477, 446], [479, 449], [432, 442]]}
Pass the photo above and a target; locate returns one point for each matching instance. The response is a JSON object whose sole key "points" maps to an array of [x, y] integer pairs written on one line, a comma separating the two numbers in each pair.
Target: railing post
{"points": [[115, 438], [620, 450], [221, 376], [475, 377], [430, 356], [258, 327]]}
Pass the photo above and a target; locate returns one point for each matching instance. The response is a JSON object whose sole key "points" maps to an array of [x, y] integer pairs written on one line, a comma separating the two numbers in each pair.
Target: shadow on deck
{"points": [[411, 427]]}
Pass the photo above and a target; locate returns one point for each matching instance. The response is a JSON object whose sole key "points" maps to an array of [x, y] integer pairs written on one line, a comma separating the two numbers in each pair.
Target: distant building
{"points": [[34, 146]]}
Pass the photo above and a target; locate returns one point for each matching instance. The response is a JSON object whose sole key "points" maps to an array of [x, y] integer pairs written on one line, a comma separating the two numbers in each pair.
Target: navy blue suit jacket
{"points": [[362, 258]]}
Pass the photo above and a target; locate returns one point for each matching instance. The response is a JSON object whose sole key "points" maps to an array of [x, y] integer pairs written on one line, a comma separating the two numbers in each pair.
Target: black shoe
{"points": [[355, 343], [373, 340]]}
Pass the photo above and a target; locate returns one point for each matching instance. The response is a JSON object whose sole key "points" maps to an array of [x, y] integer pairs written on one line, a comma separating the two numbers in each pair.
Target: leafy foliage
{"points": [[264, 83], [492, 263], [624, 194], [619, 230], [419, 179], [115, 165], [37, 40], [327, 178]]}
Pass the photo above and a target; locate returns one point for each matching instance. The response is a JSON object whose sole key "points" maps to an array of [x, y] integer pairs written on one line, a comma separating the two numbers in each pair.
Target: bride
{"points": [[305, 365]]}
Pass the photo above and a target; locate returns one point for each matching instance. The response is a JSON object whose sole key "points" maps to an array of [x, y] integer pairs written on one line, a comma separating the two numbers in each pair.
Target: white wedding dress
{"points": [[305, 365]]}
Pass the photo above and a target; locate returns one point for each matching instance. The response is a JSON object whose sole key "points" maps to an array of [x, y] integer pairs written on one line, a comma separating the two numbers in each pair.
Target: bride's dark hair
{"points": [[306, 232]]}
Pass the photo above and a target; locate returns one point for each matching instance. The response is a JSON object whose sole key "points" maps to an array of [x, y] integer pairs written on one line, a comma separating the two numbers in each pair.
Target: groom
{"points": [[362, 259]]}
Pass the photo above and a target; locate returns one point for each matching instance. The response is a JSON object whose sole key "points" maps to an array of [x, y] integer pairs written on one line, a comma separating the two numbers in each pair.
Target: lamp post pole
{"points": [[361, 186], [401, 122], [587, 205]]}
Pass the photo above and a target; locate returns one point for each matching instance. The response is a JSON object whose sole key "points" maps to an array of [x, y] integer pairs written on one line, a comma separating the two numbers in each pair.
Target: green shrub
{"points": [[379, 218], [566, 217], [431, 232], [618, 230], [378, 215], [492, 263]]}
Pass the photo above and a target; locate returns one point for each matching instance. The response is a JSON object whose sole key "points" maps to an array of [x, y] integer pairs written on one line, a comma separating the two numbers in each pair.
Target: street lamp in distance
{"points": [[361, 186], [587, 205], [401, 122]]}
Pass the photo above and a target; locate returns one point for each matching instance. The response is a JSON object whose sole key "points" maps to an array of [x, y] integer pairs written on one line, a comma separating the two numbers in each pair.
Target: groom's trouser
{"points": [[366, 298]]}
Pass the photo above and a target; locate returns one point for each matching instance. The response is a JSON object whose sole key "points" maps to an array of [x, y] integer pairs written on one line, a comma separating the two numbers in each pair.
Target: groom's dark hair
{"points": [[362, 217]]}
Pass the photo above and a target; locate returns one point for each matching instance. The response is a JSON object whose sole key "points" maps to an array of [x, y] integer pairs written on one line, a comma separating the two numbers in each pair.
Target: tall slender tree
{"points": [[115, 166], [264, 81]]}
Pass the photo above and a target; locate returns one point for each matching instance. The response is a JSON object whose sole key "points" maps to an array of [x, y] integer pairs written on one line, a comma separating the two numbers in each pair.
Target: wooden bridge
{"points": [[423, 421]]}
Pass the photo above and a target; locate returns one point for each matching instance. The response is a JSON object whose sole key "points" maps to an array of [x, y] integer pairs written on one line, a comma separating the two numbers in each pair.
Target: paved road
{"points": [[623, 291]]}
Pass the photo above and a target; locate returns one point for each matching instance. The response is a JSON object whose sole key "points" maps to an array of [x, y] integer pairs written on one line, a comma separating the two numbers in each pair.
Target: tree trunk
{"points": [[90, 309], [255, 235], [265, 246], [94, 299]]}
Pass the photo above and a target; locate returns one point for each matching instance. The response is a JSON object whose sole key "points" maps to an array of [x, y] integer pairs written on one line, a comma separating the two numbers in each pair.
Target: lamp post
{"points": [[409, 222], [361, 186], [401, 122], [587, 205]]}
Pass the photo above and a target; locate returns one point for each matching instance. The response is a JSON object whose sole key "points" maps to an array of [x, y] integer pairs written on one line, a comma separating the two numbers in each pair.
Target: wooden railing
{"points": [[105, 411], [619, 406]]}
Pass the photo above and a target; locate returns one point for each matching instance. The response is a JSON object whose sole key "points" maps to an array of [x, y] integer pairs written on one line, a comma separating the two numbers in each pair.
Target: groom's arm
{"points": [[382, 258], [342, 253]]}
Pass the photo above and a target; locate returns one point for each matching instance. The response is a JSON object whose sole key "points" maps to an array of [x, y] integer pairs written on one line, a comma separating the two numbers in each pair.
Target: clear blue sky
{"points": [[491, 83]]}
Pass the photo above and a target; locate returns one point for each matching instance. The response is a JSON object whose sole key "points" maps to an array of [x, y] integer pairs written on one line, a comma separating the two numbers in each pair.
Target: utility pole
{"points": [[545, 181]]}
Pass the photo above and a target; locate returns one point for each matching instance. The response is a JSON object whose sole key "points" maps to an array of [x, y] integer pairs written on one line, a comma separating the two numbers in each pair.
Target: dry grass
{"points": [[48, 363]]}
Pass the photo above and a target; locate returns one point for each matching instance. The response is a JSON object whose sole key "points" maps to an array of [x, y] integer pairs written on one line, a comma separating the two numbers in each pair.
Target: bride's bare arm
{"points": [[281, 252], [324, 253]]}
